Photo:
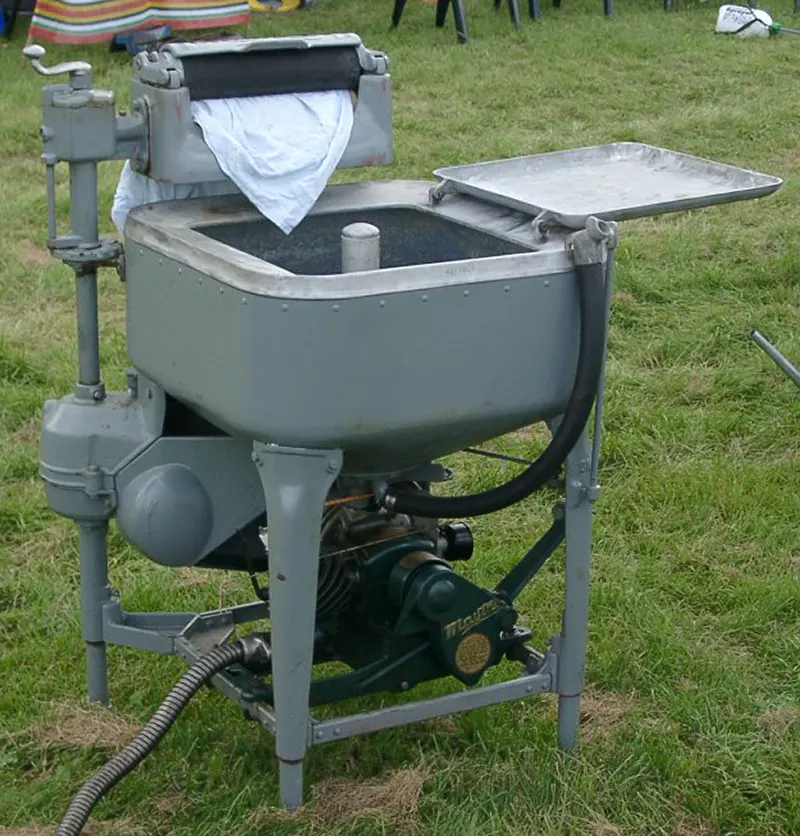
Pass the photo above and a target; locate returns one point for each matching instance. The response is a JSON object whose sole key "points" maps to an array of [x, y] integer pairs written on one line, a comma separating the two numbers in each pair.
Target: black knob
{"points": [[459, 541]]}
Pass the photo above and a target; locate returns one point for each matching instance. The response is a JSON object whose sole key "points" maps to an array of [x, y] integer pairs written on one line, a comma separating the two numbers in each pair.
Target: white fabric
{"points": [[135, 189], [280, 151]]}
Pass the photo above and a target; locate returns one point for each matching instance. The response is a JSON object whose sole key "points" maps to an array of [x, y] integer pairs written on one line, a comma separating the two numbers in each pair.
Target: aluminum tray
{"points": [[613, 182]]}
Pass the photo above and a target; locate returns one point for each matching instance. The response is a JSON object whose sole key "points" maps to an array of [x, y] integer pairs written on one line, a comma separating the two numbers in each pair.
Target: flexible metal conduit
{"points": [[149, 737]]}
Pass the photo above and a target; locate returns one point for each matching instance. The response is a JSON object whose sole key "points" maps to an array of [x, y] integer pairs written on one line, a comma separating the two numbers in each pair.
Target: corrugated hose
{"points": [[149, 737]]}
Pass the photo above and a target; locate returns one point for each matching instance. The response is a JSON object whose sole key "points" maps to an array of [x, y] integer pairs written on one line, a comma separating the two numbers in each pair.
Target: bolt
{"points": [[337, 731], [404, 686], [255, 457], [529, 689], [332, 466], [97, 395]]}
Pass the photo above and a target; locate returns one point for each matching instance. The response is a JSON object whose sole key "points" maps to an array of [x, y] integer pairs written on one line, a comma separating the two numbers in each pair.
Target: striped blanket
{"points": [[97, 21]]}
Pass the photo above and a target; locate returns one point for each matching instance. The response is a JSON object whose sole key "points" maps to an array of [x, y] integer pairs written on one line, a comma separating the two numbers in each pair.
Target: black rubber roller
{"points": [[271, 72]]}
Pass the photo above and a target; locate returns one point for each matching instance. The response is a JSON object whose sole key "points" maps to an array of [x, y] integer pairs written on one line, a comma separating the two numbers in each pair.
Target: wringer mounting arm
{"points": [[80, 127]]}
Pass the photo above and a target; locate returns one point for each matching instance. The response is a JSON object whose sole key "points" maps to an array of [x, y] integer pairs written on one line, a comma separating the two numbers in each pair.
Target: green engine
{"points": [[392, 608]]}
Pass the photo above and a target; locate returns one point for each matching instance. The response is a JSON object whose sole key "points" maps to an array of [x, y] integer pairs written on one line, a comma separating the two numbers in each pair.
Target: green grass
{"points": [[694, 656]]}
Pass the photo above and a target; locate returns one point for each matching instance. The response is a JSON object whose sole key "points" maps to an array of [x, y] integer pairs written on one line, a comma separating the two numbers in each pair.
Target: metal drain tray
{"points": [[616, 182]]}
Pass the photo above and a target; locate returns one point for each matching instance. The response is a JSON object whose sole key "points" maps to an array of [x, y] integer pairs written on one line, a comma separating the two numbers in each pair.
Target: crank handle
{"points": [[34, 53]]}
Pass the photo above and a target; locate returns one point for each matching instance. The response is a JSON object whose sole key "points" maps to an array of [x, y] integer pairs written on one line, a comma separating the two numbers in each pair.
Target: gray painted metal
{"points": [[600, 401], [84, 217], [361, 248], [780, 361], [193, 232], [401, 715], [240, 45], [154, 632], [94, 595], [572, 641], [208, 487], [183, 286], [175, 151], [296, 484], [85, 443], [619, 181]]}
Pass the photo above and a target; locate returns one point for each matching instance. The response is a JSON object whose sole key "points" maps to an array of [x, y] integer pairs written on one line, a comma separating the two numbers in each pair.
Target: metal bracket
{"points": [[93, 481], [440, 190], [589, 245], [98, 484], [81, 258], [372, 61], [544, 223], [607, 231], [582, 485], [161, 69]]}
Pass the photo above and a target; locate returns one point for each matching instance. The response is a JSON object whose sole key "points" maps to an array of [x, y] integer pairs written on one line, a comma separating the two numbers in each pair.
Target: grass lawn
{"points": [[692, 715]]}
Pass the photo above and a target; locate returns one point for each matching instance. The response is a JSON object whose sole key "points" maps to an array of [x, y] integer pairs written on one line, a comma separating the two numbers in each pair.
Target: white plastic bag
{"points": [[744, 22]]}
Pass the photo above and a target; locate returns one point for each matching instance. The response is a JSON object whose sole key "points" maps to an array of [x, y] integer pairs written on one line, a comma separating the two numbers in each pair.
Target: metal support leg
{"points": [[296, 484], [535, 9], [572, 643], [516, 17], [94, 595]]}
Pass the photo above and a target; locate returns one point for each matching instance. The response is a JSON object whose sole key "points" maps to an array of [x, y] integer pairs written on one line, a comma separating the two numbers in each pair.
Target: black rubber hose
{"points": [[579, 407], [148, 738]]}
